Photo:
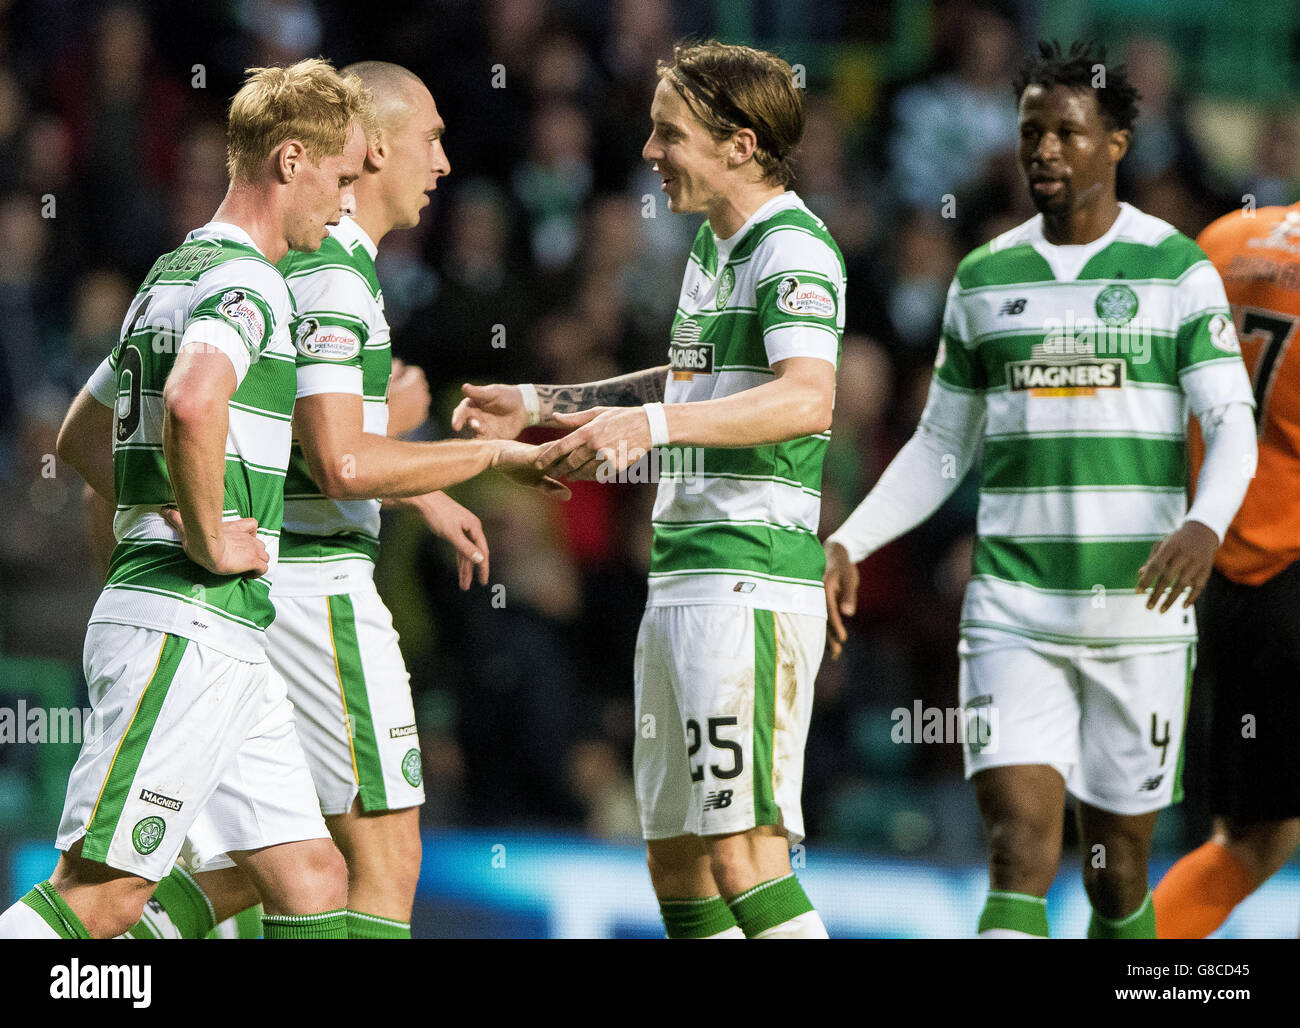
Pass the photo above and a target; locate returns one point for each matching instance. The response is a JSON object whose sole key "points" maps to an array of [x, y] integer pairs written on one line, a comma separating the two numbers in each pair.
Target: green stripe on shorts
{"points": [[130, 751], [1177, 796], [765, 811], [356, 704]]}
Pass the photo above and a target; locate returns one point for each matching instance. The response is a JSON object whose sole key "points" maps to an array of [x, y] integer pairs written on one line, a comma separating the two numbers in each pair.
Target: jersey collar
{"points": [[223, 230], [349, 233], [778, 203], [1067, 260]]}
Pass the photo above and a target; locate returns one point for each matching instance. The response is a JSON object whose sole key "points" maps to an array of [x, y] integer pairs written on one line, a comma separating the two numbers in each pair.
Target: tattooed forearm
{"points": [[625, 391]]}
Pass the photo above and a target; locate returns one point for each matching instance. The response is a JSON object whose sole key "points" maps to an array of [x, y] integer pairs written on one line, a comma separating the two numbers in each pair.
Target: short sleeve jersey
{"points": [[216, 288], [341, 340], [739, 526], [1259, 259], [1087, 359]]}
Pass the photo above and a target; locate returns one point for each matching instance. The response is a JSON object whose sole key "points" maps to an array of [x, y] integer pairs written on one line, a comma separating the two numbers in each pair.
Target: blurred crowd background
{"points": [[549, 255]]}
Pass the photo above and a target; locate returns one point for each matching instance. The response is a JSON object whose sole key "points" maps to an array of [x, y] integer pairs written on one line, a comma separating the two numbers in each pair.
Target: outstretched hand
{"points": [[490, 412], [616, 437], [522, 462]]}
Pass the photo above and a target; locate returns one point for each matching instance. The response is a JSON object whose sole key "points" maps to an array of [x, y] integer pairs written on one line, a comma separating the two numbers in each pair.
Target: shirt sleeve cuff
{"points": [[102, 384], [223, 338], [314, 379], [797, 341]]}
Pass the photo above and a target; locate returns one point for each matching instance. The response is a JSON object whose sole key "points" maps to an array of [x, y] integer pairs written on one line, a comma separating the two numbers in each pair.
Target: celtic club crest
{"points": [[411, 769], [1116, 305], [147, 834], [725, 285]]}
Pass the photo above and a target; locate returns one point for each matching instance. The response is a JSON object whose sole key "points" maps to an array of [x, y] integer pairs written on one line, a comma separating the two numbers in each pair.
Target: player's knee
{"points": [[734, 874], [1115, 883], [679, 867], [320, 879], [107, 902], [384, 859], [666, 871], [112, 908], [404, 870], [740, 862], [1019, 848]]}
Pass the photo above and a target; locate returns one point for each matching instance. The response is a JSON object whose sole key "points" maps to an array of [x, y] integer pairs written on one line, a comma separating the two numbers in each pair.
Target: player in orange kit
{"points": [[1250, 611]]}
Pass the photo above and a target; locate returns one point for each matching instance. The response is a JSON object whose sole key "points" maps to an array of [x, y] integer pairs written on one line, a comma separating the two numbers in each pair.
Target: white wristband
{"points": [[654, 413], [531, 405]]}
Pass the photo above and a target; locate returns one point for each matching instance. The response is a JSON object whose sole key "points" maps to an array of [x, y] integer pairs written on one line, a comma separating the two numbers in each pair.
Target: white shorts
{"points": [[349, 685], [723, 700], [1109, 719], [182, 728]]}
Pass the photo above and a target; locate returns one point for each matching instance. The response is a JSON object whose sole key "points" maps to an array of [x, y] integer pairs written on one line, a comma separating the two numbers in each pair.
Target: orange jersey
{"points": [[1259, 260]]}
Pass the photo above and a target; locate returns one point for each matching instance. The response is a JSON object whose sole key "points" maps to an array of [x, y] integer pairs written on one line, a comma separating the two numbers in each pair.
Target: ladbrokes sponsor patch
{"points": [[806, 298], [244, 314], [326, 342]]}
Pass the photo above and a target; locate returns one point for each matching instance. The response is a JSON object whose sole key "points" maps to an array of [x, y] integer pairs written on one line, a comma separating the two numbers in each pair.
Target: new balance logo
{"points": [[1151, 784], [1016, 306], [717, 800]]}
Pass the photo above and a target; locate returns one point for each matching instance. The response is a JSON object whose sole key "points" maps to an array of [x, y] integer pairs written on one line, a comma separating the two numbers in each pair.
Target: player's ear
{"points": [[742, 147], [1119, 143], [376, 152], [288, 158]]}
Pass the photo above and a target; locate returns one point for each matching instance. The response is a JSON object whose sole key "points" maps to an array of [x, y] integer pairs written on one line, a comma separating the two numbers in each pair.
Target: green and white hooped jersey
{"points": [[739, 526], [217, 288], [1087, 360], [342, 343]]}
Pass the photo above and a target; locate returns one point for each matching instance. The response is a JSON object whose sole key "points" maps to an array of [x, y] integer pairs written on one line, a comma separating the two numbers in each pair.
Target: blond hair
{"points": [[733, 87], [308, 101]]}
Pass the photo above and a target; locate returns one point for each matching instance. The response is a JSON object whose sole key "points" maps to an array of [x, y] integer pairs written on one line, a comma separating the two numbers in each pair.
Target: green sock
{"points": [[1016, 912], [372, 926], [55, 912], [184, 903], [769, 904], [696, 918], [1141, 924], [332, 924]]}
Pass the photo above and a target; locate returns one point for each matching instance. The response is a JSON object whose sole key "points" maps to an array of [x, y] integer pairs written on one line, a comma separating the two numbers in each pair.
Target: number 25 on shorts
{"points": [[715, 740]]}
